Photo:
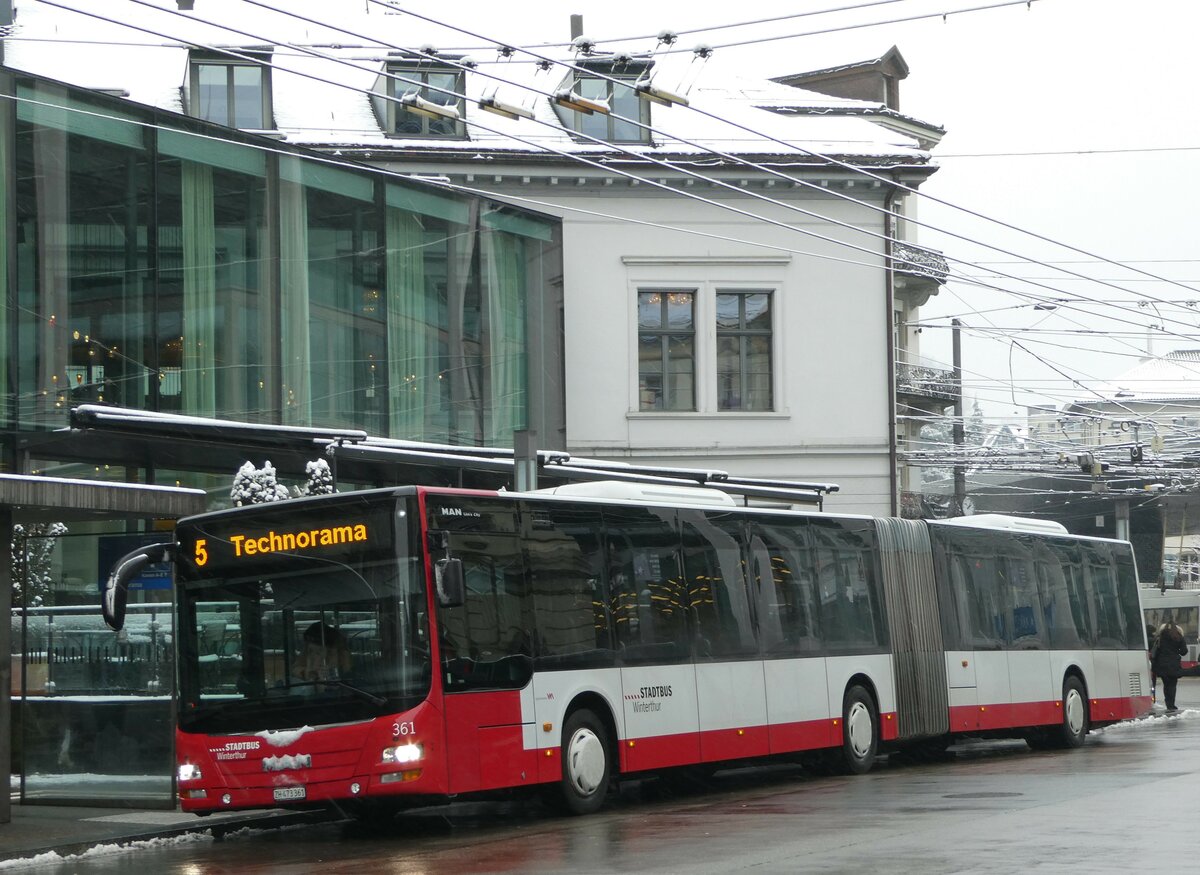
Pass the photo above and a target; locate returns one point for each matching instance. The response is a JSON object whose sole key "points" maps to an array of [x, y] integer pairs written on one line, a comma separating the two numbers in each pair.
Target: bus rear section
{"points": [[1042, 631]]}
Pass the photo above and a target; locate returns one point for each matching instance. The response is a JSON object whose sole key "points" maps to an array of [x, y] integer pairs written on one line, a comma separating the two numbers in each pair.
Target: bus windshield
{"points": [[299, 636]]}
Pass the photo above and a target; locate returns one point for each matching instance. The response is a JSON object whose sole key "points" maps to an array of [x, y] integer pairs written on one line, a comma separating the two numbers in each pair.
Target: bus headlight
{"points": [[402, 754], [188, 772]]}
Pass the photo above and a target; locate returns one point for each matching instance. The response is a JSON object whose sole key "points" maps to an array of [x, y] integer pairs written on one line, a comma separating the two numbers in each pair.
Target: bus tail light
{"points": [[402, 754]]}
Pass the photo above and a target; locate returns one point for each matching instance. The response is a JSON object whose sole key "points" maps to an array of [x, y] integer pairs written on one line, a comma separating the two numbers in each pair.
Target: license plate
{"points": [[287, 794]]}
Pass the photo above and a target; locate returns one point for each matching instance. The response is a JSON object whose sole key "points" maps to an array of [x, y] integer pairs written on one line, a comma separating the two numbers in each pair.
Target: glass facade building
{"points": [[160, 263]]}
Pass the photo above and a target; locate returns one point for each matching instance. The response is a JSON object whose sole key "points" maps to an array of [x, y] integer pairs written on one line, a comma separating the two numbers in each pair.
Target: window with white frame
{"points": [[232, 92], [744, 372], [706, 348]]}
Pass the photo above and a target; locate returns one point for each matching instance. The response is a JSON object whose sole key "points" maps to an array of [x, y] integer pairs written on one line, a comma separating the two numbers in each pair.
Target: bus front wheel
{"points": [[586, 763], [860, 739]]}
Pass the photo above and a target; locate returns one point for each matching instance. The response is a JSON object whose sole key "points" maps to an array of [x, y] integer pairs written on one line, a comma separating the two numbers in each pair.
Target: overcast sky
{"points": [[1081, 77]]}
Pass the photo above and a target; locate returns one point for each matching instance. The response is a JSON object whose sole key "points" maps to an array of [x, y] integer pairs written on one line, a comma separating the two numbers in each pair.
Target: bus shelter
{"points": [[30, 499]]}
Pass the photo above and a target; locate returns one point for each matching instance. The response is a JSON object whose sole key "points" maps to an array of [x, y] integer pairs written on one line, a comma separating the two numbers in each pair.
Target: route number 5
{"points": [[201, 551]]}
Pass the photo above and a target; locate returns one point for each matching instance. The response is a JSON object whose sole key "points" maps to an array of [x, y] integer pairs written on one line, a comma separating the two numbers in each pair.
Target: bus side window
{"points": [[850, 606], [784, 577], [565, 562], [716, 584], [645, 584], [1027, 618]]}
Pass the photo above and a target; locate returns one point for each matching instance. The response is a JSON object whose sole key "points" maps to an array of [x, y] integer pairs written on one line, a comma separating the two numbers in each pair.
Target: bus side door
{"points": [[486, 658]]}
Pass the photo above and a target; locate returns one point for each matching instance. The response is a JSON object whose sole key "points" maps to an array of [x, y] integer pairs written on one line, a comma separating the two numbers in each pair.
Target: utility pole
{"points": [[960, 473]]}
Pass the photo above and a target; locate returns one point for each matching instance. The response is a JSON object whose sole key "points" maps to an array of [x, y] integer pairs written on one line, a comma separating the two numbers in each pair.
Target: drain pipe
{"points": [[889, 247]]}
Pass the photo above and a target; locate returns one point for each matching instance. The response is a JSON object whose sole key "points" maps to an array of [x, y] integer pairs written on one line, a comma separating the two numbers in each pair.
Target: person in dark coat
{"points": [[1169, 650]]}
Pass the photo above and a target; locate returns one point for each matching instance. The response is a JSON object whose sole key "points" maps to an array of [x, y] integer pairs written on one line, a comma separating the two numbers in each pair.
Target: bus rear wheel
{"points": [[586, 763], [860, 738], [1075, 723]]}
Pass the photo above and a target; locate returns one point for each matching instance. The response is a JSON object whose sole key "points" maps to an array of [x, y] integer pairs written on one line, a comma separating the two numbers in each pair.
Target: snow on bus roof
{"points": [[1012, 523], [649, 493]]}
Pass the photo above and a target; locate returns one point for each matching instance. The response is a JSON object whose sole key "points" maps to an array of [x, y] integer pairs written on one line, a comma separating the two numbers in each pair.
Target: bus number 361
{"points": [[403, 728]]}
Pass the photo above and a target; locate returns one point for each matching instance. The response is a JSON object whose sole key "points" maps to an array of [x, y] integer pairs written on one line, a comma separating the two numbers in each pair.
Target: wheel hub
{"points": [[859, 730], [585, 761]]}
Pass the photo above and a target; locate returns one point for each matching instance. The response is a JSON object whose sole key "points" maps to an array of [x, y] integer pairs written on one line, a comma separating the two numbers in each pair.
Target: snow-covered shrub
{"points": [[320, 480], [37, 541], [256, 485]]}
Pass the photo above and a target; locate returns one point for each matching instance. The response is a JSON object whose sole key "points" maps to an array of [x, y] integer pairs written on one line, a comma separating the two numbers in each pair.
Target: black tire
{"points": [[1075, 721], [860, 731], [586, 763]]}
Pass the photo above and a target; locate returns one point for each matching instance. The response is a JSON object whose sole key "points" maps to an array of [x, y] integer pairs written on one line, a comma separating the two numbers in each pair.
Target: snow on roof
{"points": [[322, 75], [1172, 377]]}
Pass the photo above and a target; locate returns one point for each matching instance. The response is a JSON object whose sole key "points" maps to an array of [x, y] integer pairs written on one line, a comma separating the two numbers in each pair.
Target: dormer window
{"points": [[620, 96], [232, 91], [419, 83]]}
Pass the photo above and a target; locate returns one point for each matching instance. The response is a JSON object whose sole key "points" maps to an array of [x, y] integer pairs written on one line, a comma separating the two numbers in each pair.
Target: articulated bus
{"points": [[407, 645]]}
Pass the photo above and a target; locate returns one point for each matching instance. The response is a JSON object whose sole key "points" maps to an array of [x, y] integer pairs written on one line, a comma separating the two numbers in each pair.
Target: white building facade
{"points": [[727, 299]]}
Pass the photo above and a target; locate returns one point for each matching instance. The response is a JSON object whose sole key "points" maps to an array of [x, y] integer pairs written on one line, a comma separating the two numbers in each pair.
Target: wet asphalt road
{"points": [[989, 807]]}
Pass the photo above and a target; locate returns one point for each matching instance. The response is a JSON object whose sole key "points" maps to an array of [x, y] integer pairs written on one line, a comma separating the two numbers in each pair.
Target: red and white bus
{"points": [[396, 646]]}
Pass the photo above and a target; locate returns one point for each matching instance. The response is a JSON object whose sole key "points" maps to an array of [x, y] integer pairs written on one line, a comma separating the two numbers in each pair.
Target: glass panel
{"points": [[785, 579], [729, 373], [214, 269], [212, 92], [849, 603], [347, 372], [679, 311], [83, 266], [566, 571], [757, 377], [650, 372], [443, 88], [627, 104], [729, 313], [504, 273], [681, 374], [248, 97], [650, 310], [758, 311], [1027, 627], [94, 719], [486, 643], [648, 599], [716, 584]]}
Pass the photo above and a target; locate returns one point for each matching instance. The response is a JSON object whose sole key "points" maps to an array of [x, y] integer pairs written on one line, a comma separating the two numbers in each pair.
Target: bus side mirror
{"points": [[451, 589], [116, 589]]}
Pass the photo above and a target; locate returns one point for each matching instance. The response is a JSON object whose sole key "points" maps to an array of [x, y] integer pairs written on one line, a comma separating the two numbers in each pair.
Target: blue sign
{"points": [[113, 547]]}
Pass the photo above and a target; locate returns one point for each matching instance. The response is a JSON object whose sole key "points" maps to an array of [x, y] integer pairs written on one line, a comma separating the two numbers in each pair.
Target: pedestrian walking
{"points": [[1166, 659], [1151, 639]]}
